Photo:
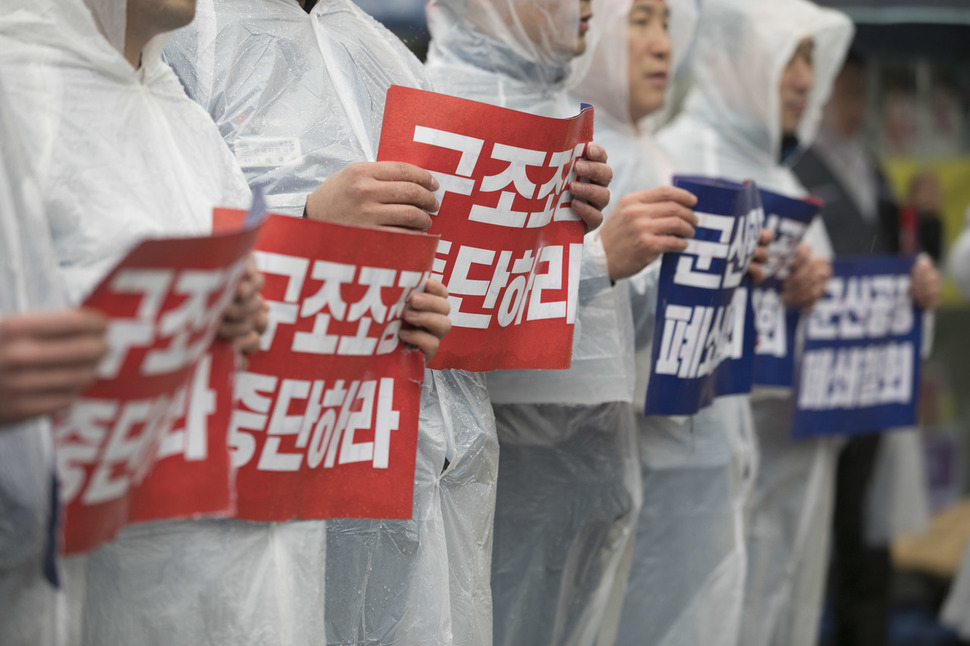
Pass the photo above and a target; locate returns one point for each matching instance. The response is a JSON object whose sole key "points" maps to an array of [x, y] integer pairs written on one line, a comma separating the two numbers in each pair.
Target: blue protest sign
{"points": [[775, 324], [703, 343], [860, 364]]}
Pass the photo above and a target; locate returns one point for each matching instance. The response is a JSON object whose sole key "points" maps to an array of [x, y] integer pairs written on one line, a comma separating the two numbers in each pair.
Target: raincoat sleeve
{"points": [[28, 281]]}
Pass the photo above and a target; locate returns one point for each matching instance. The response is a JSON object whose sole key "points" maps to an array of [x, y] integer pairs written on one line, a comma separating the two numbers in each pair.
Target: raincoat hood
{"points": [[743, 47], [530, 43], [606, 81], [111, 17]]}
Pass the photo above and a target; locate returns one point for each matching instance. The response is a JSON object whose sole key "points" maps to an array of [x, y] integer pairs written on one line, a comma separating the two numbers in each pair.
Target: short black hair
{"points": [[855, 58]]}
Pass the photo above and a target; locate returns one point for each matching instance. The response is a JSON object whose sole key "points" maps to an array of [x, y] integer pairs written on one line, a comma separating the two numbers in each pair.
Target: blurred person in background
{"points": [[862, 218]]}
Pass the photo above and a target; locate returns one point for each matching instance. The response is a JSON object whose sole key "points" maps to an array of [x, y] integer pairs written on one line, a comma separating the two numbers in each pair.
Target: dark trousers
{"points": [[860, 578]]}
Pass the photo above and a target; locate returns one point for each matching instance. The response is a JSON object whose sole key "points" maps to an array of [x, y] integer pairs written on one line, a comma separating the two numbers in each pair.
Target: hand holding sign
{"points": [[427, 313], [806, 282], [376, 195], [926, 284], [592, 196], [246, 318], [756, 269], [46, 360], [645, 225]]}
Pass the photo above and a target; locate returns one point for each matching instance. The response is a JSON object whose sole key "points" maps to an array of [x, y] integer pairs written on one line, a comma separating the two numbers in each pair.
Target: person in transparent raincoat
{"points": [[956, 610], [687, 561], [120, 153], [748, 112], [568, 479], [48, 354], [312, 85]]}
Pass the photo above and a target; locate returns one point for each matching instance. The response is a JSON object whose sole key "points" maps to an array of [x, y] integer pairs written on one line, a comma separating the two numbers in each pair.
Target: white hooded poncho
{"points": [[687, 562], [568, 480], [730, 128], [29, 282], [122, 154], [309, 90]]}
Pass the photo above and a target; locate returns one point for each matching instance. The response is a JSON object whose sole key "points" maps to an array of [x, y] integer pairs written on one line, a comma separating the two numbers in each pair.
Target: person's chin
{"points": [[580, 46]]}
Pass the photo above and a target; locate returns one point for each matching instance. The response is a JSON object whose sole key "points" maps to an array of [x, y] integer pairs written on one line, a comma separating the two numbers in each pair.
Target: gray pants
{"points": [[568, 496]]}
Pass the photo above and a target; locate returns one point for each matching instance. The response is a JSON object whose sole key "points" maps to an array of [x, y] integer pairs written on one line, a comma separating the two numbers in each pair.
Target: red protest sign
{"points": [[192, 475], [511, 246], [165, 302], [326, 419]]}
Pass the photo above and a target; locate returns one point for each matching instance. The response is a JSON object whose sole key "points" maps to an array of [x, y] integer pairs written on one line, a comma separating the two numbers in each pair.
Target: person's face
{"points": [[847, 107], [585, 15], [796, 85], [160, 16], [649, 54], [535, 18]]}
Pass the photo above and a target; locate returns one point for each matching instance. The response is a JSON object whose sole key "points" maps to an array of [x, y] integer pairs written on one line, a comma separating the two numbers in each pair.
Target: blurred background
{"points": [[917, 56]]}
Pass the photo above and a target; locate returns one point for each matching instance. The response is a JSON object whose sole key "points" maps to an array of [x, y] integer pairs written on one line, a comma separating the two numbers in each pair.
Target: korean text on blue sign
{"points": [[703, 341], [775, 324], [859, 370]]}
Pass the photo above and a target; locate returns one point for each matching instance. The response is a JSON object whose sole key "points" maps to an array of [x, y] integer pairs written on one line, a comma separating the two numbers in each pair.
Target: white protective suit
{"points": [[568, 481], [730, 128], [687, 563], [310, 90], [120, 155], [28, 282]]}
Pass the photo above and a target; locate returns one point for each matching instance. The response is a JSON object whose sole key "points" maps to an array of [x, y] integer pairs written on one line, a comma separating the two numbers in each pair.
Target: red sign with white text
{"points": [[165, 302], [326, 418], [511, 246]]}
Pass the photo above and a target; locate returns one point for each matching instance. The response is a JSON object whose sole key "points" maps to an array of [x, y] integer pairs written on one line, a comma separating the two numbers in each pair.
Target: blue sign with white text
{"points": [[776, 324], [703, 343], [860, 364]]}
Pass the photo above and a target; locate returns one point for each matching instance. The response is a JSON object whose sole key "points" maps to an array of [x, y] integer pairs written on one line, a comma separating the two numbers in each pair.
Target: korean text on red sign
{"points": [[511, 246], [326, 418], [153, 400]]}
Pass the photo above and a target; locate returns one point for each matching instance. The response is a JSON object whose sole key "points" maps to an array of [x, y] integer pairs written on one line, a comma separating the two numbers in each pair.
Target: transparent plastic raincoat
{"points": [[956, 610], [121, 154], [568, 480], [687, 562], [730, 127], [28, 282], [307, 92]]}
